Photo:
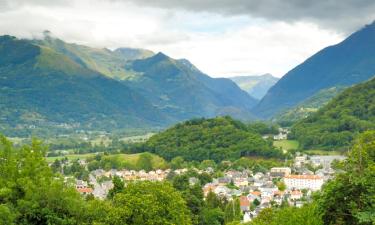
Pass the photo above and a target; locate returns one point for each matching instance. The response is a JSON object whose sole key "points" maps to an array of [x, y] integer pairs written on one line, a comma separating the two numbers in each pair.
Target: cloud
{"points": [[342, 15], [221, 39]]}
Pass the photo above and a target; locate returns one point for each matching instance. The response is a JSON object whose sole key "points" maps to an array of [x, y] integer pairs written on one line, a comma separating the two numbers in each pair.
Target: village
{"points": [[280, 185]]}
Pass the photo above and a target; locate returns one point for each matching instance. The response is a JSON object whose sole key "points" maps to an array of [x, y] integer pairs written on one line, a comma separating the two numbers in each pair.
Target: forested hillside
{"points": [[217, 139], [335, 125]]}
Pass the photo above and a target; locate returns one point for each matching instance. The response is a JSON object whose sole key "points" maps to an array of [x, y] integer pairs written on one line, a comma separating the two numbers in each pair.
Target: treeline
{"points": [[335, 125], [221, 138]]}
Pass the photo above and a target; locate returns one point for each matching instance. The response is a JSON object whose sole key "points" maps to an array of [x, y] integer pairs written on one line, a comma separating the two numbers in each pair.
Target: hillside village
{"points": [[280, 185]]}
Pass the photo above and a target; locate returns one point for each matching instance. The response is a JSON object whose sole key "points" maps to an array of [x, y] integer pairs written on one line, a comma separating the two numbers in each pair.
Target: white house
{"points": [[312, 182]]}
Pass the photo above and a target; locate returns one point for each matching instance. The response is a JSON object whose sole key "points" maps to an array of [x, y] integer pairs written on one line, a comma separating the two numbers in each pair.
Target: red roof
{"points": [[244, 201], [84, 190]]}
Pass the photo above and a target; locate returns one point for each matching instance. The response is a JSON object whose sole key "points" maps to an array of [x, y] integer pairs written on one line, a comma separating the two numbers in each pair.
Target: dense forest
{"points": [[335, 125], [216, 139]]}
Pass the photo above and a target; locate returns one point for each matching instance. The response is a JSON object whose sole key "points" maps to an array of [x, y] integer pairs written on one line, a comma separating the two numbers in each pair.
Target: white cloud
{"points": [[218, 45]]}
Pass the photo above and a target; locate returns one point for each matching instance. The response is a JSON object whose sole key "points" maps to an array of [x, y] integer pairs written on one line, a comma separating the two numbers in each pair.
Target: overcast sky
{"points": [[221, 37]]}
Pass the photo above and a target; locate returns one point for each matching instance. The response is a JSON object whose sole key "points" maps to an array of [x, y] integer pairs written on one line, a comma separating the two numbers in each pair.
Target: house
{"points": [[80, 184], [312, 182], [299, 161], [244, 204], [296, 195], [241, 182], [85, 191], [280, 171], [325, 160], [254, 195]]}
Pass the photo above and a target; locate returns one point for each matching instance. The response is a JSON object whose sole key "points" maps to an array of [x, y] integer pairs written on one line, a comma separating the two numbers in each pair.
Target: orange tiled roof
{"points": [[84, 190], [257, 193]]}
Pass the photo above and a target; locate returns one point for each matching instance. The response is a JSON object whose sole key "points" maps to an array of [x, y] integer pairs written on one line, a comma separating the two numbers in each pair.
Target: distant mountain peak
{"points": [[161, 56]]}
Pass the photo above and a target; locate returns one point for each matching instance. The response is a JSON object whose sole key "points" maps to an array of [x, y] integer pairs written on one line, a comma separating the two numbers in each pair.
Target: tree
{"points": [[177, 163], [232, 211], [349, 198], [118, 186], [281, 186], [212, 216], [30, 193], [145, 162], [148, 203]]}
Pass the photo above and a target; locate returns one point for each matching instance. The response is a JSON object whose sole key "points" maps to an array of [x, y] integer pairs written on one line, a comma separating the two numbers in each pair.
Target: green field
{"points": [[323, 152], [286, 145], [70, 157], [128, 159]]}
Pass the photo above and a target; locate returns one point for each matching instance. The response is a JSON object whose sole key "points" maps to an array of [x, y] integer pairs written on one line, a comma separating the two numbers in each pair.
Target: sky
{"points": [[223, 38]]}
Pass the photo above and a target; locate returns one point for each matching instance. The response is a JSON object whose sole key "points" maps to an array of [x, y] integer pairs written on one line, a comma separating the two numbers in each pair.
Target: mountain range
{"points": [[50, 82], [256, 86], [350, 62]]}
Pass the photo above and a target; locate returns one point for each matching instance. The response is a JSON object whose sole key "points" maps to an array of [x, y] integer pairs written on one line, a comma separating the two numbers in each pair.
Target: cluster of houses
{"points": [[100, 181], [261, 190], [256, 191]]}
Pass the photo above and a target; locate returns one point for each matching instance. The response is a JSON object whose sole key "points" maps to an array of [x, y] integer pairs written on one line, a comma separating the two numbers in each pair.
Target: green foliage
{"points": [[335, 125], [308, 106], [288, 216], [142, 161], [350, 197], [232, 211], [215, 139], [148, 203], [29, 192]]}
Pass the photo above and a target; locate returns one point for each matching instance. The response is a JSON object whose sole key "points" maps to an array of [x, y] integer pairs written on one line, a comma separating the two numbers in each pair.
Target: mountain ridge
{"points": [[346, 63]]}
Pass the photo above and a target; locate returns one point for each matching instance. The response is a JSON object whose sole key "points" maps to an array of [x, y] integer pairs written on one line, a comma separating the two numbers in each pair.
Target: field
{"points": [[128, 159], [70, 157], [322, 152], [286, 145]]}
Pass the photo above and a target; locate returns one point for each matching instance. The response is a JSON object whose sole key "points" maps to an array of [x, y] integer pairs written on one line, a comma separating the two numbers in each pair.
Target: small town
{"points": [[256, 191]]}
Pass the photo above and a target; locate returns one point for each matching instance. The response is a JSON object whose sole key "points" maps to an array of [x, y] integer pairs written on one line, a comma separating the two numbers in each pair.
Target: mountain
{"points": [[218, 139], [335, 125], [176, 87], [42, 88], [61, 86], [350, 62], [256, 86], [181, 91], [308, 106], [102, 60]]}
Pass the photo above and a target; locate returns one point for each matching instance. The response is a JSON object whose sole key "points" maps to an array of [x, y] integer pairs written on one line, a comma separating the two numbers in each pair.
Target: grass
{"points": [[70, 157], [128, 159], [323, 152], [286, 145]]}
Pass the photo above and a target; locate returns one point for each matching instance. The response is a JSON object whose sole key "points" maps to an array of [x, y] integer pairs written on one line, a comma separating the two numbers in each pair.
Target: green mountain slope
{"points": [[176, 87], [350, 62], [256, 86], [217, 139], [335, 125], [105, 61], [43, 88], [182, 91], [308, 106]]}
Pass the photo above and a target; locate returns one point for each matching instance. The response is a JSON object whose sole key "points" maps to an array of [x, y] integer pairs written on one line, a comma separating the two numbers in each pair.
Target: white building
{"points": [[312, 182]]}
